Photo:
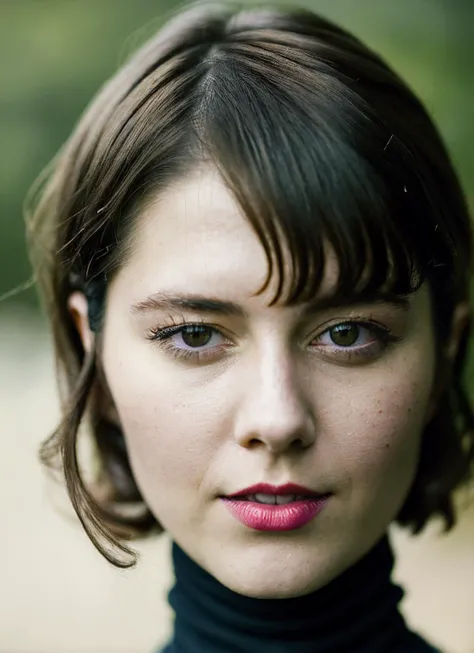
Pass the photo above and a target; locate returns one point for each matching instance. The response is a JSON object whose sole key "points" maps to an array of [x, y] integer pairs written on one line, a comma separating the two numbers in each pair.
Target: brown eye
{"points": [[196, 336], [344, 335]]}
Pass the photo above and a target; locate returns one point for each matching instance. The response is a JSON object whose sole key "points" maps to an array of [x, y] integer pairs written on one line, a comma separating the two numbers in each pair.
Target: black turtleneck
{"points": [[355, 613]]}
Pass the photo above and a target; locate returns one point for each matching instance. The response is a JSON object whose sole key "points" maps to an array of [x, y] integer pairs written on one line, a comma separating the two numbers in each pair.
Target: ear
{"points": [[78, 308], [460, 321]]}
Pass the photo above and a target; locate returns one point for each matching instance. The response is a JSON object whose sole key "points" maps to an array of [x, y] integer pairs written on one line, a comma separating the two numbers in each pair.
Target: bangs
{"points": [[314, 169]]}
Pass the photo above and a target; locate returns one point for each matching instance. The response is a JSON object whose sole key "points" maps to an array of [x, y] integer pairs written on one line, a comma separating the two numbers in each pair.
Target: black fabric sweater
{"points": [[355, 613]]}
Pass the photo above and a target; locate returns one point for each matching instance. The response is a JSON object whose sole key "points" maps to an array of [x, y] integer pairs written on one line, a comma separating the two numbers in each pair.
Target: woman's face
{"points": [[257, 394]]}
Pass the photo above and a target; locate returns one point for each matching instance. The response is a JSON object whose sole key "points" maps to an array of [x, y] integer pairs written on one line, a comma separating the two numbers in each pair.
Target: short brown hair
{"points": [[318, 139]]}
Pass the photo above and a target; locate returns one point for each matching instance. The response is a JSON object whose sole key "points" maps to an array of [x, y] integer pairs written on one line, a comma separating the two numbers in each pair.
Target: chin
{"points": [[269, 587], [271, 591], [281, 577]]}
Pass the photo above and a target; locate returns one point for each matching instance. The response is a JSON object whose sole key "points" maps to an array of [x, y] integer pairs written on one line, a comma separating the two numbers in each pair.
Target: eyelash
{"points": [[163, 337]]}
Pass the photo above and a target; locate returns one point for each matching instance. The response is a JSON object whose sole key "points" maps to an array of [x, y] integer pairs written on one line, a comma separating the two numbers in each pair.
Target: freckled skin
{"points": [[266, 409]]}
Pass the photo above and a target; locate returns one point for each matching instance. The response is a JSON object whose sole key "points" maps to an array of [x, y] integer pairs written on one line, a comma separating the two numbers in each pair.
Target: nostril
{"points": [[253, 443], [303, 443]]}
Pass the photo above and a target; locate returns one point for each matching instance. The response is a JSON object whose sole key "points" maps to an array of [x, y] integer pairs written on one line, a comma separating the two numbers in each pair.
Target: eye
{"points": [[345, 335], [355, 339], [192, 342], [196, 336]]}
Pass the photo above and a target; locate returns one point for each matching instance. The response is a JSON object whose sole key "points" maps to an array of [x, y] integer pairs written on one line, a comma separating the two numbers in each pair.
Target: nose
{"points": [[274, 412]]}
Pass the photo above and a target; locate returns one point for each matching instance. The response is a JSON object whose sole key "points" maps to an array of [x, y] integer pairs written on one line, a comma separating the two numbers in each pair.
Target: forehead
{"points": [[195, 234]]}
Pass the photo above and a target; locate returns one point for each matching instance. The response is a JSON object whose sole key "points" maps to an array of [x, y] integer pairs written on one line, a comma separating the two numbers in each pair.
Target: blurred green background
{"points": [[54, 55]]}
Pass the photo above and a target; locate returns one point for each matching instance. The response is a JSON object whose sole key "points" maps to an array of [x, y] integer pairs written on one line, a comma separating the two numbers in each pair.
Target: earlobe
{"points": [[460, 321], [461, 318], [78, 308]]}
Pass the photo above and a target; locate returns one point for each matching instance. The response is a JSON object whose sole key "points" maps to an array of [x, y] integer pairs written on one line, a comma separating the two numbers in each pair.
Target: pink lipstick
{"points": [[265, 507]]}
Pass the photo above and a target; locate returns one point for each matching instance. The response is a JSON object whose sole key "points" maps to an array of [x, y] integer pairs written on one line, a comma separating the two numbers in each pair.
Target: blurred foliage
{"points": [[55, 54]]}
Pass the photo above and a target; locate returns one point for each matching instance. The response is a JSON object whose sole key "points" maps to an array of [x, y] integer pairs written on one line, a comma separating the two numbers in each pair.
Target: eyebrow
{"points": [[161, 301], [197, 303]]}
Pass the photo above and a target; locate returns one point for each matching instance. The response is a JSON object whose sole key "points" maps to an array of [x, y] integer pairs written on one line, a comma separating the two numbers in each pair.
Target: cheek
{"points": [[171, 426], [384, 419]]}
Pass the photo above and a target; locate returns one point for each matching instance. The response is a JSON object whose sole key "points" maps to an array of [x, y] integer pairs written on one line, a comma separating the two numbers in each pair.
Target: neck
{"points": [[356, 612]]}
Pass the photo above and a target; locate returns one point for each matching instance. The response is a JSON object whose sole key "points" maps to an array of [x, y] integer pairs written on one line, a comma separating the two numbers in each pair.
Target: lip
{"points": [[285, 517], [275, 490], [275, 517]]}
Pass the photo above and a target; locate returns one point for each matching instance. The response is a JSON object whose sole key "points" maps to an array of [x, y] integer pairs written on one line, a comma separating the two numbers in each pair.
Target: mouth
{"points": [[274, 499], [276, 494], [266, 507]]}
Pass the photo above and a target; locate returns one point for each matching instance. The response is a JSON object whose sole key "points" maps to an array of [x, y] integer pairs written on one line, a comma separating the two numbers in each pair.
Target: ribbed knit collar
{"points": [[355, 613]]}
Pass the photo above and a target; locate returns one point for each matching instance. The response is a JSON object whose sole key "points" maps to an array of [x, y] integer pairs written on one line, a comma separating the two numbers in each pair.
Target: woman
{"points": [[256, 256]]}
